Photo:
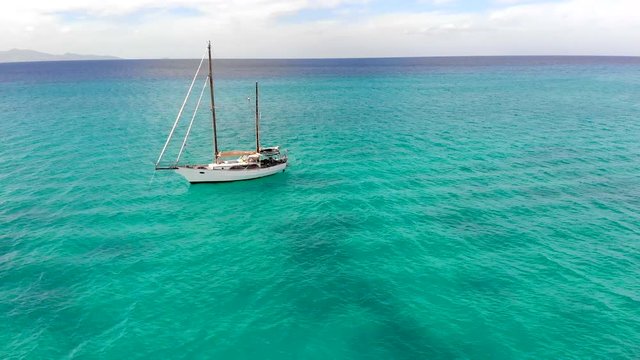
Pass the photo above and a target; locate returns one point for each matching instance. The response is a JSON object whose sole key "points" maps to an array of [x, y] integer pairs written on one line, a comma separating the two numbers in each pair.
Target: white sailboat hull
{"points": [[208, 175]]}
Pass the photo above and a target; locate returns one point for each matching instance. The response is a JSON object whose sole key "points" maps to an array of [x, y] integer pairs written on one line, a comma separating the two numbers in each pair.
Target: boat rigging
{"points": [[226, 165]]}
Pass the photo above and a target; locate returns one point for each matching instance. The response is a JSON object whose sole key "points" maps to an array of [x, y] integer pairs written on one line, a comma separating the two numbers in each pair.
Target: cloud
{"points": [[134, 16], [335, 28]]}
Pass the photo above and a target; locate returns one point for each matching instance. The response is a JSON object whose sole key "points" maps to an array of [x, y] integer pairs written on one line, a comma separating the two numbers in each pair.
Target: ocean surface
{"points": [[434, 208]]}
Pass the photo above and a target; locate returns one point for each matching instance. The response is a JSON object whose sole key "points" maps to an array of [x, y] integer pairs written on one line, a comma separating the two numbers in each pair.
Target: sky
{"points": [[321, 29]]}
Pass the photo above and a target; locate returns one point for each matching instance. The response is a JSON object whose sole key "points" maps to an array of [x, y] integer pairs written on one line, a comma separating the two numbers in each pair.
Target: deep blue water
{"points": [[478, 207]]}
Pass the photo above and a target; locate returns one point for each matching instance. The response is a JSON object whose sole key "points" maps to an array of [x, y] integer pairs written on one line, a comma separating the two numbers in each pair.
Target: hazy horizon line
{"points": [[341, 58]]}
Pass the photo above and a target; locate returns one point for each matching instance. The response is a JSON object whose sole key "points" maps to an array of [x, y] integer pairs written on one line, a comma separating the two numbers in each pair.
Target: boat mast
{"points": [[257, 122], [213, 109]]}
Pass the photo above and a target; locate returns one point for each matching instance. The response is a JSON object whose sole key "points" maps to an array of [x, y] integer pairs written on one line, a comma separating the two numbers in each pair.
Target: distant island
{"points": [[17, 55]]}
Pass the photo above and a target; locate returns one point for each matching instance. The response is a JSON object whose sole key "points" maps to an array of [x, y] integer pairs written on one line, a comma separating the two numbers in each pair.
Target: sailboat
{"points": [[226, 165]]}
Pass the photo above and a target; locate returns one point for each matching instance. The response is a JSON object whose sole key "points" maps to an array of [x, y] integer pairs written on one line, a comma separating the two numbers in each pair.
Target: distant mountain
{"points": [[16, 55]]}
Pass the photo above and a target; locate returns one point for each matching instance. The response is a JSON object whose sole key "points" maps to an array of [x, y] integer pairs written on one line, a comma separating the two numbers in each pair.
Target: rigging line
{"points": [[195, 111], [180, 112], [152, 177]]}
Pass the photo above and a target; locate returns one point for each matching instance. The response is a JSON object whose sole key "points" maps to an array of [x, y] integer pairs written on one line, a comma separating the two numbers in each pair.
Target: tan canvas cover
{"points": [[235, 153]]}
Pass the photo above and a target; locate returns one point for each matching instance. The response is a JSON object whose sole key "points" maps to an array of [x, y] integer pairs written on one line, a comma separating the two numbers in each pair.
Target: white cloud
{"points": [[254, 28]]}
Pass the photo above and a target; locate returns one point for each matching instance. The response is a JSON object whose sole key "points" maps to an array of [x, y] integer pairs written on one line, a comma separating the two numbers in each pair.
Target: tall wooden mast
{"points": [[213, 109], [257, 122]]}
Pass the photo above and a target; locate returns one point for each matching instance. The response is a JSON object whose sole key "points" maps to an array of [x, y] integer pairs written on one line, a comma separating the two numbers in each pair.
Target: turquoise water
{"points": [[433, 208]]}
